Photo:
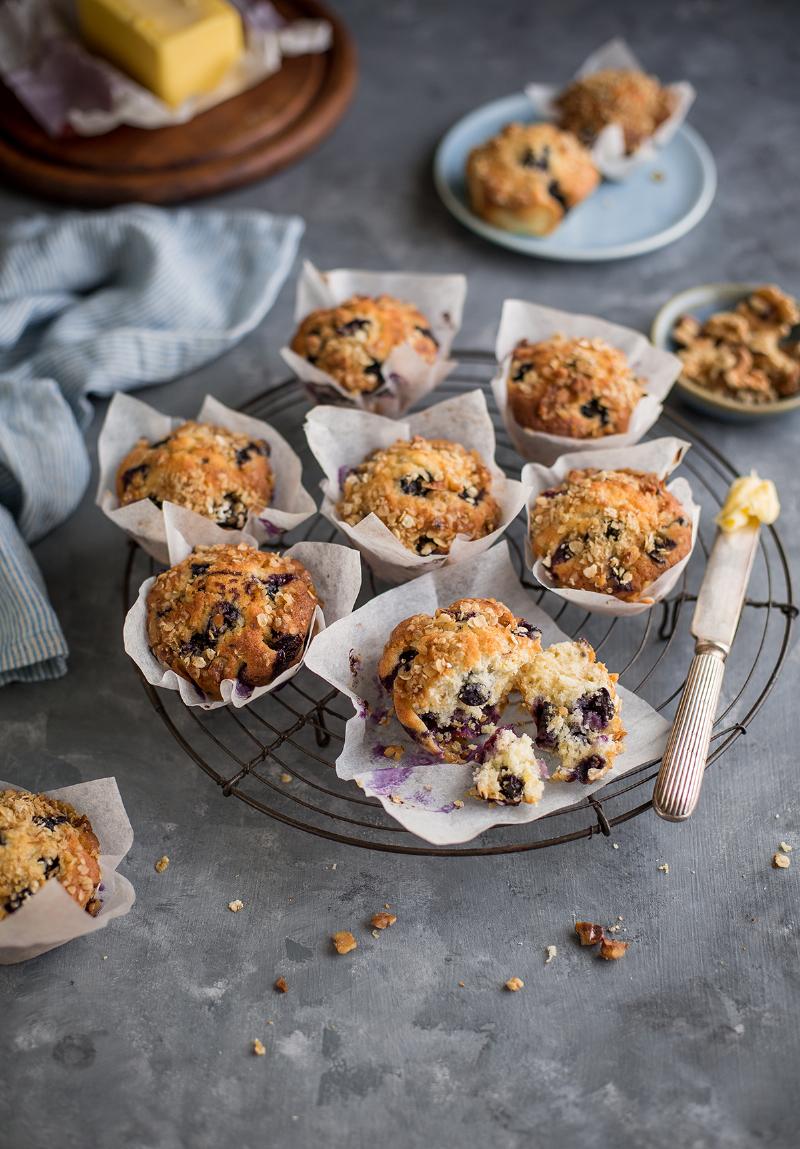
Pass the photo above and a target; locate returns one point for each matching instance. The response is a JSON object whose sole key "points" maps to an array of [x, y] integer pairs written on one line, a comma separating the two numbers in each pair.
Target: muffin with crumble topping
{"points": [[217, 473], [610, 531], [574, 702], [450, 673], [580, 388], [352, 341], [425, 491], [507, 771], [230, 612], [528, 177], [632, 99], [42, 838]]}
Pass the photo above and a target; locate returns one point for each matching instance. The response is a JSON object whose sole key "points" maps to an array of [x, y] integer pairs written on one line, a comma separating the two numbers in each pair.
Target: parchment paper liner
{"points": [[347, 656], [659, 455], [440, 298], [340, 439], [129, 419], [657, 369], [335, 571], [51, 917], [608, 151]]}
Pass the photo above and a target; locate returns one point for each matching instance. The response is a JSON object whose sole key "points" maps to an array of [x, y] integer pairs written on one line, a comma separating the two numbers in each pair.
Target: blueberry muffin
{"points": [[43, 838], [614, 532], [635, 101], [215, 472], [230, 612], [527, 178], [426, 491], [450, 674], [582, 388], [352, 341], [574, 702], [507, 770]]}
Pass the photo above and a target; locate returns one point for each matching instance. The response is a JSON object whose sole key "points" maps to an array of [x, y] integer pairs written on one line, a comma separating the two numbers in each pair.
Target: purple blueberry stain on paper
{"points": [[270, 528], [355, 665], [379, 715], [383, 783], [342, 474]]}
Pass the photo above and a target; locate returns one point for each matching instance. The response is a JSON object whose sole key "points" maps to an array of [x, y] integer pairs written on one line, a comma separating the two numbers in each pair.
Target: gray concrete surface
{"points": [[138, 1037]]}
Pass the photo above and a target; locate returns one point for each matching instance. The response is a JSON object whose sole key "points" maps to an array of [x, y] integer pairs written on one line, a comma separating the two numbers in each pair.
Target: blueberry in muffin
{"points": [[218, 473], [43, 838], [527, 177], [352, 341], [614, 532], [576, 708], [634, 100], [450, 674], [507, 770], [230, 612], [580, 388], [425, 491]]}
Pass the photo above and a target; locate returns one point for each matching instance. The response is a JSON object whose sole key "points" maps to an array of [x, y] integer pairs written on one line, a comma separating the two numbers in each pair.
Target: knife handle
{"points": [[683, 765]]}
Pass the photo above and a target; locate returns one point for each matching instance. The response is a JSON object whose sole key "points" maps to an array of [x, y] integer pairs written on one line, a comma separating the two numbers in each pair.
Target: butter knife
{"points": [[716, 617]]}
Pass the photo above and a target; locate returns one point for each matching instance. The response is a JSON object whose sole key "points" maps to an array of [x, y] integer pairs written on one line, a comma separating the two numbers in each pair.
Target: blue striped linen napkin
{"points": [[91, 303]]}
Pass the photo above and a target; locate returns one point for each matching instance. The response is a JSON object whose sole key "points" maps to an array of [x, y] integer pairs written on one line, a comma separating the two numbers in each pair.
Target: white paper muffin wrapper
{"points": [[656, 369], [347, 656], [660, 456], [440, 298], [608, 151], [335, 571], [51, 917], [128, 420], [340, 439]]}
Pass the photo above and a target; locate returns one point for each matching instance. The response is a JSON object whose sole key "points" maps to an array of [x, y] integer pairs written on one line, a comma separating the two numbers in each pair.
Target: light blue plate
{"points": [[618, 221]]}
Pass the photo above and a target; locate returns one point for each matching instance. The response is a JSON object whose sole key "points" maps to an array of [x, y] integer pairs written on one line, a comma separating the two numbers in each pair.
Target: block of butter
{"points": [[176, 48]]}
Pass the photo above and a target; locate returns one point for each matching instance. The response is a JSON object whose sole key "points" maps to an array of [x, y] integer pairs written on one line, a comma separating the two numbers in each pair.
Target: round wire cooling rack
{"points": [[278, 755]]}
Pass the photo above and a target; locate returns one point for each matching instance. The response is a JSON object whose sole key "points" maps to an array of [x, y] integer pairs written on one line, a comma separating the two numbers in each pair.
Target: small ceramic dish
{"points": [[702, 302]]}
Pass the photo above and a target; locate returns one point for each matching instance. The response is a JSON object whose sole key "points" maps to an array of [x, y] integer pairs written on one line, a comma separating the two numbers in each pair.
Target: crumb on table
{"points": [[343, 942], [280, 985], [514, 983], [395, 751], [259, 1049], [589, 933], [611, 949], [381, 920], [161, 864], [286, 778], [551, 952], [236, 905], [664, 867], [781, 861]]}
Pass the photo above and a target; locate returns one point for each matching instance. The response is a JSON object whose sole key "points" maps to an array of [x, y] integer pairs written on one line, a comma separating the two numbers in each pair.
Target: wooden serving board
{"points": [[244, 139]]}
